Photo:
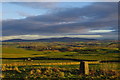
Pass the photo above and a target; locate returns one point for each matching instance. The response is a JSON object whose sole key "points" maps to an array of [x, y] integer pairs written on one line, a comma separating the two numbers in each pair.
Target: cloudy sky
{"points": [[35, 20]]}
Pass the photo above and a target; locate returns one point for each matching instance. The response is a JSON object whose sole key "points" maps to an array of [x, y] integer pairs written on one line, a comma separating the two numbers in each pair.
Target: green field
{"points": [[12, 52], [15, 60], [60, 51]]}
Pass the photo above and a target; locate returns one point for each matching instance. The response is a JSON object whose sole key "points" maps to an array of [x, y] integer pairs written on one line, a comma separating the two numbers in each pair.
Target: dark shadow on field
{"points": [[110, 61], [45, 58]]}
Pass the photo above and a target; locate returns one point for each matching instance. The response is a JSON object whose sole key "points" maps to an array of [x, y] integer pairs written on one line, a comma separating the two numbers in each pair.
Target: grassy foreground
{"points": [[59, 52], [54, 72]]}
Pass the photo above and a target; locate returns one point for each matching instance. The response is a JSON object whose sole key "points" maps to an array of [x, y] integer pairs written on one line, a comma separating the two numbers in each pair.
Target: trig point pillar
{"points": [[84, 68]]}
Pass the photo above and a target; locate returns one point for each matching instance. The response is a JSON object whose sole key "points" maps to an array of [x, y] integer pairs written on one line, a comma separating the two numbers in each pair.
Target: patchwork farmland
{"points": [[60, 59]]}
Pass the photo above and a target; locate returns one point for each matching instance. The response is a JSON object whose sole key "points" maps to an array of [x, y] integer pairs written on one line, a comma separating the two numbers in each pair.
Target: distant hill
{"points": [[63, 39]]}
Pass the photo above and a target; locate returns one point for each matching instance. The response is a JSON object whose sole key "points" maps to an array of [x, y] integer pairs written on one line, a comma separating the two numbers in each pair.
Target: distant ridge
{"points": [[62, 39]]}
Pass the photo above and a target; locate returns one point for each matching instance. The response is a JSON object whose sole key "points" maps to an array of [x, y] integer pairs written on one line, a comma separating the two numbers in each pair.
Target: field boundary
{"points": [[60, 63]]}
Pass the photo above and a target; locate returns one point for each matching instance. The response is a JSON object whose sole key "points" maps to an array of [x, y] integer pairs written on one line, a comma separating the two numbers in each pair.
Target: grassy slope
{"points": [[21, 53], [12, 52]]}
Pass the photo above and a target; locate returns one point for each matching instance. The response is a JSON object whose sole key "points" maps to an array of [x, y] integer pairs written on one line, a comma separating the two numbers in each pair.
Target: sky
{"points": [[36, 20]]}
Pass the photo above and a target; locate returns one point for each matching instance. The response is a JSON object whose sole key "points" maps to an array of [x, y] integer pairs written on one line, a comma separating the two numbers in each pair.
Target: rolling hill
{"points": [[63, 39]]}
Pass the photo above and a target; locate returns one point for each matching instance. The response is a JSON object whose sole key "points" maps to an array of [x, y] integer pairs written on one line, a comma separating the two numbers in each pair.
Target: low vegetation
{"points": [[24, 60], [53, 72]]}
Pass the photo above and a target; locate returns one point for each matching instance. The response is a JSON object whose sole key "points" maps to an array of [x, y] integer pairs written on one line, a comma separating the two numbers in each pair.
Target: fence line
{"points": [[61, 63], [21, 64]]}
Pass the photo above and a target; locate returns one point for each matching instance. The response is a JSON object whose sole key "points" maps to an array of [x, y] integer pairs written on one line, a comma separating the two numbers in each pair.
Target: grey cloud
{"points": [[96, 10], [95, 16], [37, 5], [24, 14]]}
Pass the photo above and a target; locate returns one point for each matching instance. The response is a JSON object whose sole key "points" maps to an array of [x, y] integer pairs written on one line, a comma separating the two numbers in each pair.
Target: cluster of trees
{"points": [[80, 47], [82, 50]]}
